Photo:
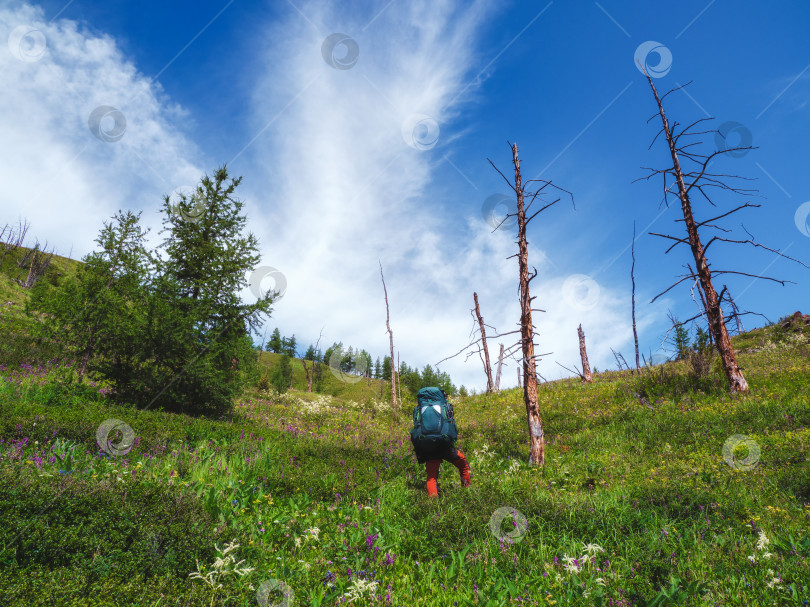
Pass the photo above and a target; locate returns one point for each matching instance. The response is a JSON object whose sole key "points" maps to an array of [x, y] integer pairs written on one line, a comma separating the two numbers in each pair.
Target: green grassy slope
{"points": [[659, 489], [324, 495]]}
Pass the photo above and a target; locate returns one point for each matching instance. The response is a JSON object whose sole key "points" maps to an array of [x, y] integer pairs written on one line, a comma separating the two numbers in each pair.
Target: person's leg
{"points": [[432, 476], [460, 462]]}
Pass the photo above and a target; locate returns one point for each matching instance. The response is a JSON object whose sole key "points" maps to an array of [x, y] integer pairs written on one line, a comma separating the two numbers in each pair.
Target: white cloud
{"points": [[55, 172], [331, 185], [344, 190]]}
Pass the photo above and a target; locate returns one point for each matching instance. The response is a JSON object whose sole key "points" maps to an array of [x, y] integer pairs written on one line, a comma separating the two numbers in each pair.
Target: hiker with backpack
{"points": [[434, 436]]}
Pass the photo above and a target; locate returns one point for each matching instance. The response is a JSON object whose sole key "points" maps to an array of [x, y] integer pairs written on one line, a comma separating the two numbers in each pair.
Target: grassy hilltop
{"points": [[637, 505]]}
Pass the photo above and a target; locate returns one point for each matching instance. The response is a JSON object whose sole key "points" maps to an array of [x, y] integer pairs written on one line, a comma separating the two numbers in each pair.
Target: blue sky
{"points": [[332, 186]]}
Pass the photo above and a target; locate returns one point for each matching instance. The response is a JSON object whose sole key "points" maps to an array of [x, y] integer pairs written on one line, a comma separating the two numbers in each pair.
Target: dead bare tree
{"points": [[38, 262], [309, 373], [487, 367], [620, 360], [14, 239], [633, 299], [498, 375], [399, 380], [735, 312], [583, 354], [700, 180], [391, 339], [475, 345], [527, 329]]}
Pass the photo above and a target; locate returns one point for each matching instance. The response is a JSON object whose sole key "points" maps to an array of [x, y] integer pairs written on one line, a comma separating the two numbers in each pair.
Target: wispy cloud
{"points": [[335, 177], [342, 189], [55, 171]]}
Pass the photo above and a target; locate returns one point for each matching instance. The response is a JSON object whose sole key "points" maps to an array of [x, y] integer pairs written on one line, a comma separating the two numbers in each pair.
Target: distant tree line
{"points": [[357, 361]]}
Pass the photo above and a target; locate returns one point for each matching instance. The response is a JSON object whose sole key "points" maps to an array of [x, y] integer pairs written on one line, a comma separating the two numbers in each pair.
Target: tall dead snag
{"points": [[487, 367], [702, 181], [498, 375], [633, 300], [391, 337], [735, 311], [583, 354], [537, 445], [308, 374]]}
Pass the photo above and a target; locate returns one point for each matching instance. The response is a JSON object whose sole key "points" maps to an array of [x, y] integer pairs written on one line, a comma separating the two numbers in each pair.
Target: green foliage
{"points": [[312, 487], [281, 375], [681, 342], [264, 382], [702, 353], [168, 331], [274, 345]]}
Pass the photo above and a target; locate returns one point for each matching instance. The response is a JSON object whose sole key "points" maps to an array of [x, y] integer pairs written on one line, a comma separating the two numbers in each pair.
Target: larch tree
{"points": [[698, 179]]}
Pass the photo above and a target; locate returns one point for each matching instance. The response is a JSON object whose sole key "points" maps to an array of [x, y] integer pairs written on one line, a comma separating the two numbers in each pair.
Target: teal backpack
{"points": [[433, 422]]}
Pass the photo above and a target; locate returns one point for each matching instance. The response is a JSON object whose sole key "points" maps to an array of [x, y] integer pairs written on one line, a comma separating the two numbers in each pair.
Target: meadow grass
{"points": [[321, 498]]}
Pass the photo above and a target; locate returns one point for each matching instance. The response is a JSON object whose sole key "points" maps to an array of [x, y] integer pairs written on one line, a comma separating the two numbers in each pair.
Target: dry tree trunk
{"points": [[633, 281], [399, 382], [487, 367], [717, 326], [583, 354], [308, 373], [391, 339], [537, 446], [518, 374], [740, 327], [498, 375]]}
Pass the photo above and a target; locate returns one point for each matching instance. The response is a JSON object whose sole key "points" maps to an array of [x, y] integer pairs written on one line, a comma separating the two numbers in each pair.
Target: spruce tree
{"points": [[274, 345]]}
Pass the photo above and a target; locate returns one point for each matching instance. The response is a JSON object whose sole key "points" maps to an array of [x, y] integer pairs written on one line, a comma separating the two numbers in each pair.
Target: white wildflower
{"points": [[571, 565], [225, 564], [600, 581], [312, 534], [763, 541], [298, 542], [359, 588], [305, 565], [592, 549], [766, 555], [752, 558]]}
